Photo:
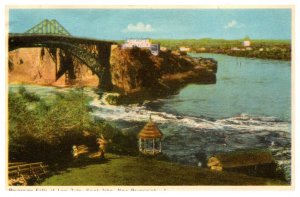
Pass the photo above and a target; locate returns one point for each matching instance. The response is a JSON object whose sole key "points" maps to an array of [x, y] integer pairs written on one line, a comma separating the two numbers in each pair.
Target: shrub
{"points": [[40, 130], [45, 131], [29, 96]]}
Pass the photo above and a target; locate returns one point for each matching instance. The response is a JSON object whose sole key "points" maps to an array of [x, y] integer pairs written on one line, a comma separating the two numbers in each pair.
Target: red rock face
{"points": [[128, 70], [32, 65], [134, 70], [40, 65]]}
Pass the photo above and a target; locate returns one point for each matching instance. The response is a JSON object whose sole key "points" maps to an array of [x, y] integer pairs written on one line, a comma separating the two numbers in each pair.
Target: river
{"points": [[249, 107]]}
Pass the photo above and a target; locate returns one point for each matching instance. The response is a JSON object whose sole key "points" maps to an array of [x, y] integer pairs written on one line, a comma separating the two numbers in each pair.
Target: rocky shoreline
{"points": [[277, 55], [136, 75]]}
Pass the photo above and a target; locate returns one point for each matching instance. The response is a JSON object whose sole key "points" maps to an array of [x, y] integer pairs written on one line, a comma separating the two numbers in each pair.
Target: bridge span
{"points": [[81, 48]]}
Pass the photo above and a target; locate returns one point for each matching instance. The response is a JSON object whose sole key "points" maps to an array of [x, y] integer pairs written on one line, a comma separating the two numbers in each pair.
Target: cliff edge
{"points": [[48, 66], [137, 75]]}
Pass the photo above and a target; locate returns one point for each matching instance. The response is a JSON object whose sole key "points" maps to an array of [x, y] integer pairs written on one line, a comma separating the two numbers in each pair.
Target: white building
{"points": [[235, 49], [144, 43], [246, 43], [163, 48], [184, 49], [141, 43]]}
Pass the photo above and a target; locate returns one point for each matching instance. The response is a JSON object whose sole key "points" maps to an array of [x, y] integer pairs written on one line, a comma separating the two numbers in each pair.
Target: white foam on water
{"points": [[241, 123], [135, 113]]}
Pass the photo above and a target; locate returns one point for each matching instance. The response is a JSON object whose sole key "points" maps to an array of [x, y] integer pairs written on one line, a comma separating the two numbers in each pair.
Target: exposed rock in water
{"points": [[137, 75]]}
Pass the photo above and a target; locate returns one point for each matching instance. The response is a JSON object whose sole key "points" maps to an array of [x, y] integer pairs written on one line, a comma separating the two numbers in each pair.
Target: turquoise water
{"points": [[244, 86]]}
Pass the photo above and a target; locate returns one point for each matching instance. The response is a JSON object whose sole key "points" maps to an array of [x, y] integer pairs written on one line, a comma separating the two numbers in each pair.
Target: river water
{"points": [[249, 107]]}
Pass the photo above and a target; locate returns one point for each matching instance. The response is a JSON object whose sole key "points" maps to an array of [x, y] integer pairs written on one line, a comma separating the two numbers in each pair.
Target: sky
{"points": [[119, 24]]}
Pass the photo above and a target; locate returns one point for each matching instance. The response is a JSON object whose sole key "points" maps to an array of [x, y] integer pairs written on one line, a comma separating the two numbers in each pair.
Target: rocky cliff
{"points": [[41, 65], [135, 73], [138, 75]]}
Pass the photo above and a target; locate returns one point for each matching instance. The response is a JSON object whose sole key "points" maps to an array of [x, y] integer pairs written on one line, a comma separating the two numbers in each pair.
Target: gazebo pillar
{"points": [[160, 145], [140, 144], [153, 148]]}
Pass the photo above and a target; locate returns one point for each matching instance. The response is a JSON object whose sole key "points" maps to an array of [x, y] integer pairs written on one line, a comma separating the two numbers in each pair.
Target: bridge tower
{"points": [[50, 34], [52, 27]]}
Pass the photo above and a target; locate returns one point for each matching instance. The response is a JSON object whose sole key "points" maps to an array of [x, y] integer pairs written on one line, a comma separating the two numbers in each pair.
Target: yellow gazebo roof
{"points": [[150, 131]]}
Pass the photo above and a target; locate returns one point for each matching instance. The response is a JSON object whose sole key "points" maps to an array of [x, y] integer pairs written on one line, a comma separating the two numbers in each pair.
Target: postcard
{"points": [[161, 97]]}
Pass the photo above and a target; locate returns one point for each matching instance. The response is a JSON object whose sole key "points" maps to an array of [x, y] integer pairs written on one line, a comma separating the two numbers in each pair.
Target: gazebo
{"points": [[150, 139]]}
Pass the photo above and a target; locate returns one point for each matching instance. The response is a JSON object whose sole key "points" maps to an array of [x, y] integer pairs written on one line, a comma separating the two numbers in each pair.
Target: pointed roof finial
{"points": [[150, 130]]}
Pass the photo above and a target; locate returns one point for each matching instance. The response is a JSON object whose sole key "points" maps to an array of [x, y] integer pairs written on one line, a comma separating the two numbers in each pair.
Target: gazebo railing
{"points": [[150, 146], [151, 151]]}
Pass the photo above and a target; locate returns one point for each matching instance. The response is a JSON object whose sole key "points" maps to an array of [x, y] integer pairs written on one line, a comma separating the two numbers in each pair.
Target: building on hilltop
{"points": [[235, 49], [246, 43], [184, 49], [141, 43], [163, 48], [144, 43]]}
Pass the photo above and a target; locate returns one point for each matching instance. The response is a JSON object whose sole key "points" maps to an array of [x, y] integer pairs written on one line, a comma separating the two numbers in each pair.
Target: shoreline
{"points": [[138, 76], [251, 48], [243, 56]]}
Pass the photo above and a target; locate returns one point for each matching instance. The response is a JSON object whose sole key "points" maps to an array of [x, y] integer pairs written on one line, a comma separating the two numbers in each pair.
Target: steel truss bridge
{"points": [[51, 34]]}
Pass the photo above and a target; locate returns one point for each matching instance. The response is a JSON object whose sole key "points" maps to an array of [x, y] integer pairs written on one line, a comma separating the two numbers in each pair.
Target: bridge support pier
{"points": [[94, 54], [64, 66], [105, 83]]}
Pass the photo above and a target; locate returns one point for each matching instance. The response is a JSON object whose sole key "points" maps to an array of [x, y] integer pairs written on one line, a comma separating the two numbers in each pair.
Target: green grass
{"points": [[276, 49], [125, 170], [216, 43], [210, 42]]}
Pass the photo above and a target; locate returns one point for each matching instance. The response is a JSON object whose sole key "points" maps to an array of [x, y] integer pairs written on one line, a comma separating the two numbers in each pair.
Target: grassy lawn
{"points": [[125, 170]]}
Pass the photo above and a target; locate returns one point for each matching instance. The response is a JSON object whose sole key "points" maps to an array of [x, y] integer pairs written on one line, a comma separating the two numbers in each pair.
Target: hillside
{"points": [[126, 170], [264, 49]]}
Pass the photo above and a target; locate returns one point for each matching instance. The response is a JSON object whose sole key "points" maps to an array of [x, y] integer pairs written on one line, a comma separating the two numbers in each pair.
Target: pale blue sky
{"points": [[161, 23]]}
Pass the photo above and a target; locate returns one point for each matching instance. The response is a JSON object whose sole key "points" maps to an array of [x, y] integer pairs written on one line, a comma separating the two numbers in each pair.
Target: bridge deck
{"points": [[13, 37], [99, 64]]}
